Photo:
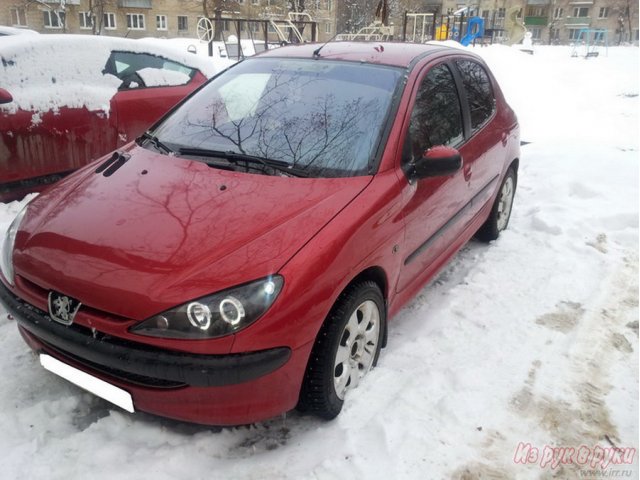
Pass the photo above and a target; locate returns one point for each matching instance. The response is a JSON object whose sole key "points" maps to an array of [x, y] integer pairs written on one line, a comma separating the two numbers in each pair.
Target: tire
{"points": [[501, 211], [337, 362]]}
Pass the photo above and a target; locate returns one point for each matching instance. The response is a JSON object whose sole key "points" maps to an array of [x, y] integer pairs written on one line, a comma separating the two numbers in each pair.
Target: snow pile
{"points": [[155, 77], [532, 339], [41, 73]]}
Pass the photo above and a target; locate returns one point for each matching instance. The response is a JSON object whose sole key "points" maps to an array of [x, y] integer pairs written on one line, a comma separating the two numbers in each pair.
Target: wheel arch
{"points": [[377, 275]]}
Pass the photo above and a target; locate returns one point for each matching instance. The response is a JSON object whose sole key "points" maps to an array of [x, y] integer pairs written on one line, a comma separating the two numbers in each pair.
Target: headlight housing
{"points": [[6, 255], [215, 315]]}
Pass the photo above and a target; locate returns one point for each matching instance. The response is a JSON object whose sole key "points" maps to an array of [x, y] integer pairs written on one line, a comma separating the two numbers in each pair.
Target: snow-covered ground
{"points": [[528, 343]]}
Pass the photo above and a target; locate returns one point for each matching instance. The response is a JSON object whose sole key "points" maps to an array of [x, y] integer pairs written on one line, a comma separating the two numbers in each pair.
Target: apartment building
{"points": [[152, 18], [553, 21]]}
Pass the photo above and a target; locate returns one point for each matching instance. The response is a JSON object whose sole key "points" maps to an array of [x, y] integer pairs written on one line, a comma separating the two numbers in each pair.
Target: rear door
{"points": [[151, 85], [482, 150]]}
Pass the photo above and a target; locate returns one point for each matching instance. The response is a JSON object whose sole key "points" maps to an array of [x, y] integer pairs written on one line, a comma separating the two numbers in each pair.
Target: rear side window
{"points": [[436, 118], [479, 92], [139, 70]]}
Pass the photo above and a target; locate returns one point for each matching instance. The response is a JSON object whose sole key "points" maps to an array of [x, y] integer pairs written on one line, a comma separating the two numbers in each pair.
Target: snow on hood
{"points": [[47, 72]]}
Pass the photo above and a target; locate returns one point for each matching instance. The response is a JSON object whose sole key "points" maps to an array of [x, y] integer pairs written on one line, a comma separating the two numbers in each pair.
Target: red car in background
{"points": [[243, 257], [68, 99]]}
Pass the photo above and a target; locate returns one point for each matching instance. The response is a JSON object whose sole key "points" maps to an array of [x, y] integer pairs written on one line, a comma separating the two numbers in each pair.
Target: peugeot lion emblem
{"points": [[62, 309]]}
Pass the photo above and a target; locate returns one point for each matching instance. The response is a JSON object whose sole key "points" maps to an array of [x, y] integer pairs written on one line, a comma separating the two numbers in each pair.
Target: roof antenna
{"points": [[316, 52]]}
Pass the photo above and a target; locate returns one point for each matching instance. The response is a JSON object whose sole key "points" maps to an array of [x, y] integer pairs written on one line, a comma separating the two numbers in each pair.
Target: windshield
{"points": [[323, 118]]}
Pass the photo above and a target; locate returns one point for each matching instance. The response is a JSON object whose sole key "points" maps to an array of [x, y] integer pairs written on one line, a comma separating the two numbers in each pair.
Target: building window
{"points": [[161, 22], [109, 21], [604, 12], [581, 12], [574, 34], [536, 33], [135, 21], [485, 15], [241, 2], [535, 12], [501, 12], [255, 2], [18, 17], [329, 5], [557, 13], [183, 23], [598, 36], [53, 18], [86, 20], [327, 28]]}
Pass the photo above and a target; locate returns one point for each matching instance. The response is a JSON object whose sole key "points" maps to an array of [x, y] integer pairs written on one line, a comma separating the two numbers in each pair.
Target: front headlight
{"points": [[6, 256], [215, 315]]}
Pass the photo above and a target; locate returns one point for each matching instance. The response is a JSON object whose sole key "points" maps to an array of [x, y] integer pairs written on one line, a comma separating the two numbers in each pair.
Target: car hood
{"points": [[160, 231]]}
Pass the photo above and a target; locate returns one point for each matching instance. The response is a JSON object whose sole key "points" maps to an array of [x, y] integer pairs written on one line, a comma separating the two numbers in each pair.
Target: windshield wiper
{"points": [[236, 158], [156, 142]]}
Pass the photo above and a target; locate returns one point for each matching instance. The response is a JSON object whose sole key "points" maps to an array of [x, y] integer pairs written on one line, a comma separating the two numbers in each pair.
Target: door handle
{"points": [[466, 171]]}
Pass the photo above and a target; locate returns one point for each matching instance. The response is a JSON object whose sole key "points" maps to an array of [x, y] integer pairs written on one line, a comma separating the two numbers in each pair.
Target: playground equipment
{"points": [[376, 31], [475, 29], [273, 32], [589, 41], [424, 27]]}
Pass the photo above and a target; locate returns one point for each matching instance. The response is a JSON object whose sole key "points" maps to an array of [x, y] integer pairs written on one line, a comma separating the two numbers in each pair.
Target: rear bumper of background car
{"points": [[211, 389]]}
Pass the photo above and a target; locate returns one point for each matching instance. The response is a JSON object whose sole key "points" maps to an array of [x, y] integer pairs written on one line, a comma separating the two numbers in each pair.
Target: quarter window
{"points": [[479, 92], [436, 118], [139, 70]]}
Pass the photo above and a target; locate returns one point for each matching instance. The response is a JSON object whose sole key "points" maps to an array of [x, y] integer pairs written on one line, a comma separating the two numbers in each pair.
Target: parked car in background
{"points": [[7, 31], [243, 258], [68, 99]]}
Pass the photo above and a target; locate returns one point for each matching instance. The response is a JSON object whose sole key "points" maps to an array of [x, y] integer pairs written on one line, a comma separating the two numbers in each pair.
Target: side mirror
{"points": [[5, 97], [437, 162]]}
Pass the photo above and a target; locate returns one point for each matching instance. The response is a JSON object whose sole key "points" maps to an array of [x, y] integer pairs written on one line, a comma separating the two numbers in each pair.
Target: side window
{"points": [[139, 70], [436, 118], [479, 92]]}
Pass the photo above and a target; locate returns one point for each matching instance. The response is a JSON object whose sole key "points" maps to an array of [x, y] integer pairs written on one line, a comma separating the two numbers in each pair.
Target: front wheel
{"points": [[501, 210], [346, 348]]}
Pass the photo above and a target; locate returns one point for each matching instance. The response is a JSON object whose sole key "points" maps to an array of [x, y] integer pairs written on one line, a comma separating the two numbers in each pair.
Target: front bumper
{"points": [[213, 389]]}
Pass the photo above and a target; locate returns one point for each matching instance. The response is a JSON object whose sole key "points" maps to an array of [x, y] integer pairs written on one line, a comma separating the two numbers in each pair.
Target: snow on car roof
{"points": [[47, 72]]}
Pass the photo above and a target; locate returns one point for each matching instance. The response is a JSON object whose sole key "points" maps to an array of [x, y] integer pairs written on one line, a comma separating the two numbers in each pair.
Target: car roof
{"points": [[383, 53], [17, 46]]}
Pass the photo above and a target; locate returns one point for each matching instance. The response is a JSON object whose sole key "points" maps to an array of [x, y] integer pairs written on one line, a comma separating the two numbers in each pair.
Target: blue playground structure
{"points": [[475, 29]]}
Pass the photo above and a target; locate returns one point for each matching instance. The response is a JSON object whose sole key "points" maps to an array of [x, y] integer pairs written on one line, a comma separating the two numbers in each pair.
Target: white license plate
{"points": [[98, 387]]}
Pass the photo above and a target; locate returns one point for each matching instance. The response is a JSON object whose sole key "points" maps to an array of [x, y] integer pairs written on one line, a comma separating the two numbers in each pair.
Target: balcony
{"points": [[135, 3], [581, 2], [539, 2], [536, 21], [578, 21]]}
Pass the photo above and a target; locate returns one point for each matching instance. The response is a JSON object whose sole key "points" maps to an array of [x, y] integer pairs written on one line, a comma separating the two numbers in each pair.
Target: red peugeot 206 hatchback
{"points": [[243, 256]]}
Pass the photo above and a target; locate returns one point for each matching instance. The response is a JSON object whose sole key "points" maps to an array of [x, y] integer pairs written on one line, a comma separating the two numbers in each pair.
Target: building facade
{"points": [[153, 18], [557, 21], [549, 21]]}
